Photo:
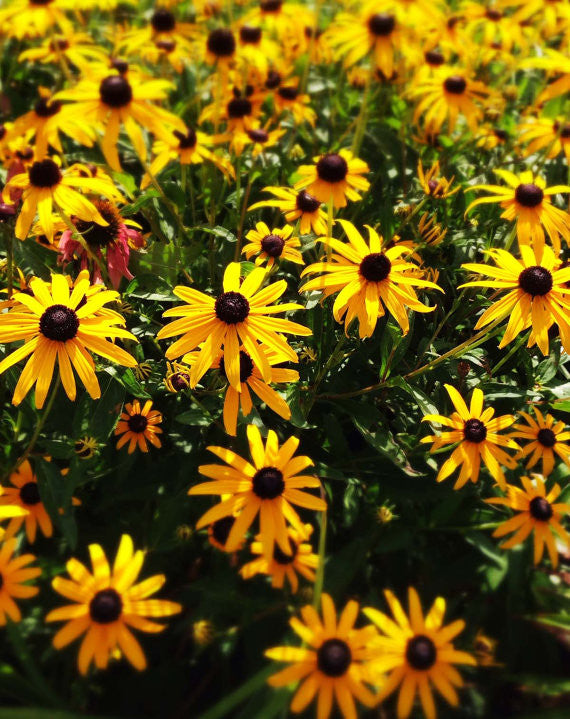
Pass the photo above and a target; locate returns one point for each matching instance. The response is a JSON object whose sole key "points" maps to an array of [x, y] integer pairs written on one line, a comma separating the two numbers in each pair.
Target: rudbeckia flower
{"points": [[295, 206], [256, 139], [418, 652], [117, 99], [240, 313], [76, 48], [555, 62], [240, 112], [536, 511], [283, 566], [34, 18], [58, 324], [536, 298], [44, 185], [445, 95], [478, 437], [526, 199], [369, 280], [287, 98], [334, 177], [335, 665], [545, 436], [271, 245], [220, 48], [268, 487], [137, 425], [24, 495], [545, 134], [107, 604], [15, 573], [433, 185], [219, 531]]}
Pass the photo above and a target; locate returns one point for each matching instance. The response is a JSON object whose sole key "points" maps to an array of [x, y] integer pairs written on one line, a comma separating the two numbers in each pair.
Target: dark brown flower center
{"points": [[163, 20], [59, 323], [332, 168], [120, 65], [307, 203], [280, 557], [271, 5], [258, 135], [268, 483], [540, 509], [474, 430], [231, 307], [529, 195], [45, 108], [221, 529], [106, 606], [421, 653], [334, 657], [546, 437], [221, 42], [288, 92], [239, 107], [3, 132], [433, 57], [137, 423], [273, 80], [381, 24], [115, 91], [273, 245], [455, 84], [186, 141], [250, 35], [375, 267], [99, 236], [179, 380], [40, 3], [492, 14], [535, 281], [59, 43], [245, 366], [500, 134], [44, 173], [30, 494], [166, 45]]}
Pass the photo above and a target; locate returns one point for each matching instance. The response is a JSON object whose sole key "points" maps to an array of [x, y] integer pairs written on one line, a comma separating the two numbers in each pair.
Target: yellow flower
{"points": [[295, 206], [440, 187], [268, 487], [34, 18], [139, 425], [14, 572], [369, 280], [334, 177], [545, 134], [107, 604], [334, 667], [418, 652], [536, 511], [57, 324], [271, 245], [544, 439], [527, 200], [536, 297], [240, 313], [477, 434]]}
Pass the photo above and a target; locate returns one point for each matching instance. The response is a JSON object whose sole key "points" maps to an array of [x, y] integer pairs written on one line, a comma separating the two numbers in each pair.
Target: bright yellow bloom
{"points": [[295, 206], [536, 298], [107, 604], [435, 186], [271, 245], [477, 434], [139, 425], [369, 280], [14, 572], [536, 511], [544, 439], [334, 667], [334, 177], [418, 652], [268, 487]]}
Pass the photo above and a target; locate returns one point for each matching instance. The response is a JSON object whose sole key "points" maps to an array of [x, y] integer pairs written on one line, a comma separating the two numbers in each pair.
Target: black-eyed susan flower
{"points": [[446, 94], [15, 573], [536, 298], [334, 177], [241, 313], [434, 185], [555, 62], [64, 325], [256, 139], [239, 109], [137, 425], [34, 18], [535, 511], [334, 666], [545, 134], [219, 531], [288, 98], [281, 566], [76, 48], [44, 185], [301, 206], [220, 48], [177, 377], [369, 280], [122, 99], [268, 487], [187, 147], [418, 653], [478, 437], [271, 245], [526, 199], [24, 496], [107, 604], [85, 447], [545, 437]]}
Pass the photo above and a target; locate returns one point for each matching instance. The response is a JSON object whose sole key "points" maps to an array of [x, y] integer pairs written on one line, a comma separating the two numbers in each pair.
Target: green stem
{"points": [[9, 240], [362, 115], [320, 578]]}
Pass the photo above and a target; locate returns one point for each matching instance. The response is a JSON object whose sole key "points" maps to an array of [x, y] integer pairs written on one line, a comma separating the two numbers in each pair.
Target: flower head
{"points": [[15, 573], [137, 425], [334, 177], [545, 437]]}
